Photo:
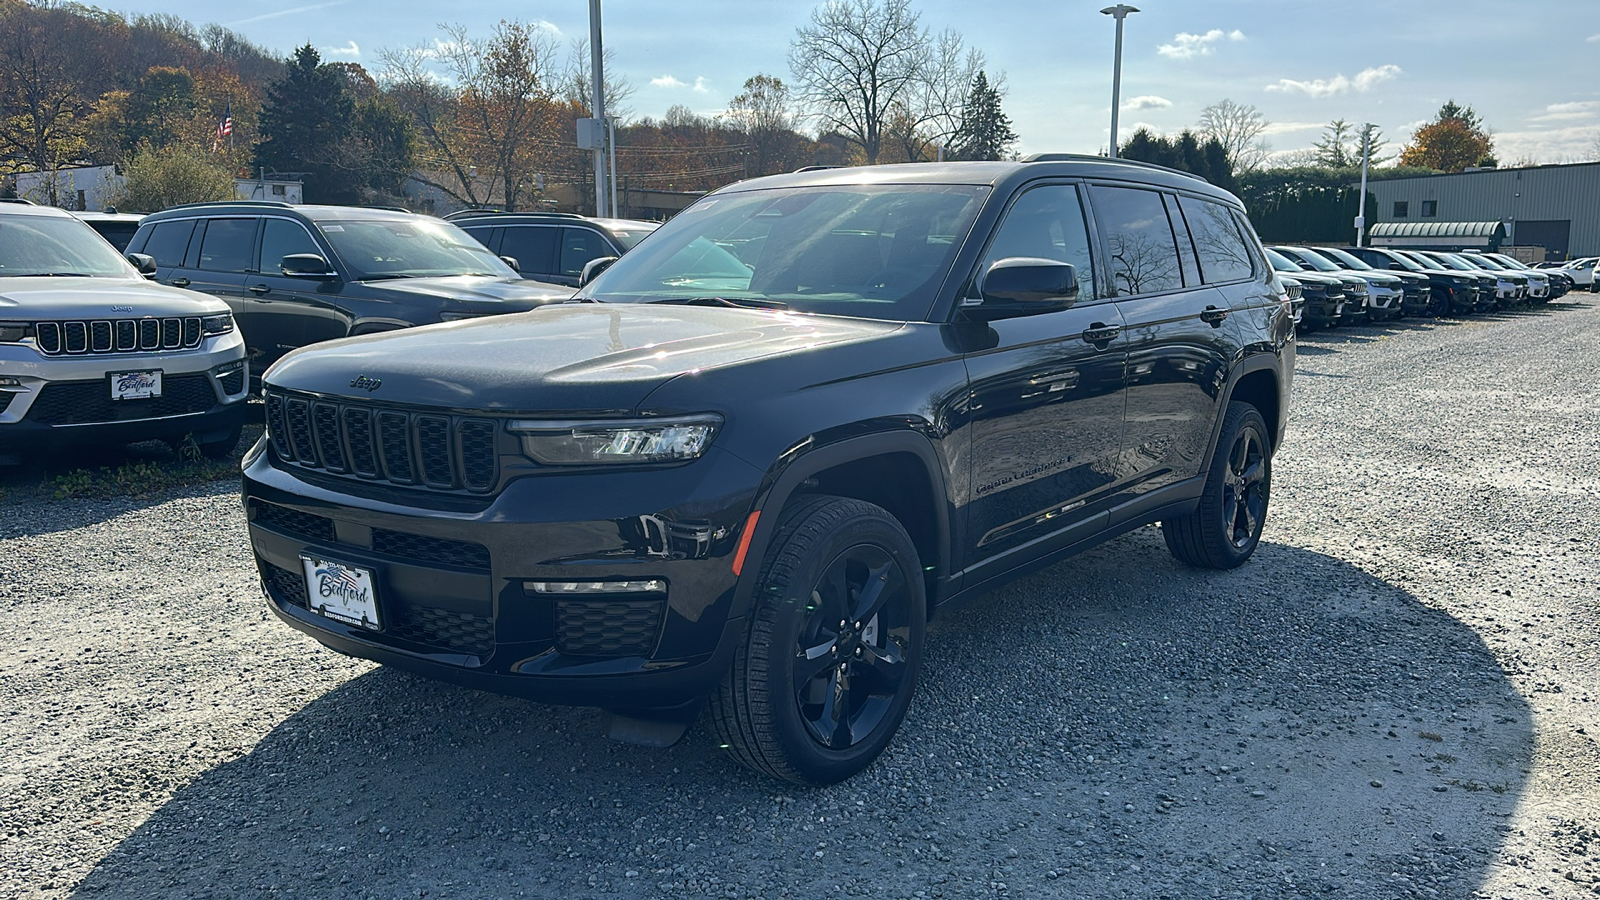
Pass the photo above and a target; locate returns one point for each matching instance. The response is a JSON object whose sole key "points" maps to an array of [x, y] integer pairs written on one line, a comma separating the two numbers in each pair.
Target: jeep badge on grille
{"points": [[367, 384]]}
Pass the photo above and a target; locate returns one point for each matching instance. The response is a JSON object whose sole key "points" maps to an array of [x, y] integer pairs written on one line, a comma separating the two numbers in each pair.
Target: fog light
{"points": [[645, 586], [6, 381], [226, 368]]}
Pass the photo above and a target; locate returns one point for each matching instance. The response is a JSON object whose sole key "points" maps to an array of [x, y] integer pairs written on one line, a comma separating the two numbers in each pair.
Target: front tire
{"points": [[1225, 528], [829, 662]]}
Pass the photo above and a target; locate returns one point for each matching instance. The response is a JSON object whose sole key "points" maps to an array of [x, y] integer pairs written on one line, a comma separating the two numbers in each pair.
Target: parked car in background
{"points": [[1295, 292], [1323, 296], [1582, 272], [1486, 283], [750, 486], [1451, 291], [296, 275], [552, 247], [1557, 283], [117, 228], [1384, 293], [1415, 298], [92, 353], [1535, 287], [1506, 287]]}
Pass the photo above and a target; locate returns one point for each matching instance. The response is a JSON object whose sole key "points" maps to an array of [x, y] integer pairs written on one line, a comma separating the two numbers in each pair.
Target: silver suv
{"points": [[92, 352]]}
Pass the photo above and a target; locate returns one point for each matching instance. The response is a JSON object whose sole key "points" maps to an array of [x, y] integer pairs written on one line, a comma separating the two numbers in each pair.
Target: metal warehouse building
{"points": [[1554, 207]]}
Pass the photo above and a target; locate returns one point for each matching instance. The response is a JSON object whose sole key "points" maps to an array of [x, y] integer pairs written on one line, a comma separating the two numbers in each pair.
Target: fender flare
{"points": [[376, 326], [1255, 362], [786, 481]]}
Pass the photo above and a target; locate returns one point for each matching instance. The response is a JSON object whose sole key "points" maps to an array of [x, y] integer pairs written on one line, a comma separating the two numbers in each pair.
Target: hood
{"points": [[477, 291], [1314, 278], [99, 298], [1383, 278], [574, 357]]}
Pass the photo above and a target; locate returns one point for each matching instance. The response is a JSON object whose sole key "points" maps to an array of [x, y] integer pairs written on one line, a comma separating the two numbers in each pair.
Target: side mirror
{"points": [[593, 268], [144, 262], [306, 265], [512, 262], [1022, 286]]}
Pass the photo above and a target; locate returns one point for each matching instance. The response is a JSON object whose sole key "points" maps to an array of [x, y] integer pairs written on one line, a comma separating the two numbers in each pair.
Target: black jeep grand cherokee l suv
{"points": [[752, 457]]}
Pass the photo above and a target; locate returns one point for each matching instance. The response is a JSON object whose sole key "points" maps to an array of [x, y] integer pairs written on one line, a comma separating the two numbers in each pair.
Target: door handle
{"points": [[259, 289], [1101, 333], [180, 282], [1214, 315]]}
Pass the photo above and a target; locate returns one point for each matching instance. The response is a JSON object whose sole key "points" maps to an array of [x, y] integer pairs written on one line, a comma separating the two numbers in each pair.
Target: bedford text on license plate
{"points": [[341, 591]]}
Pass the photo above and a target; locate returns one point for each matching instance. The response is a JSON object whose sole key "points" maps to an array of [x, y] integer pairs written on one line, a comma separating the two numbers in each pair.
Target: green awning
{"points": [[1442, 235]]}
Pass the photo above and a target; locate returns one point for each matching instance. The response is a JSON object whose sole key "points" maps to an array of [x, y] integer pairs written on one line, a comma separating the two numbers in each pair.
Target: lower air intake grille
{"points": [[446, 629], [285, 587], [608, 627], [289, 521], [89, 402], [423, 550]]}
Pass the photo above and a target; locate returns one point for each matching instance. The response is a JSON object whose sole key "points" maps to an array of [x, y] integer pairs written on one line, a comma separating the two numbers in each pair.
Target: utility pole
{"points": [[1361, 205], [1120, 11], [598, 105]]}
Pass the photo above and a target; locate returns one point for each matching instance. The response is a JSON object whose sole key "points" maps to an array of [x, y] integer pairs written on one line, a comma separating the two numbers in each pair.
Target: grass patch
{"points": [[144, 475]]}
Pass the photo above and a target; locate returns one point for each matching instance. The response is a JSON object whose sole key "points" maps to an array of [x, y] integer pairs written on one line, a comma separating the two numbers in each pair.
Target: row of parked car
{"points": [[1353, 285]]}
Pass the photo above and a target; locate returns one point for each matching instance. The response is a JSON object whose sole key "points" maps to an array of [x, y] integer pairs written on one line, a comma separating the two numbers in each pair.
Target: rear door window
{"points": [[1139, 247], [228, 245], [1223, 252]]}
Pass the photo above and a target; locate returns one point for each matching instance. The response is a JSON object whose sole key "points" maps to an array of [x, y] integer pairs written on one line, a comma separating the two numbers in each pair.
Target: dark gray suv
{"points": [[296, 275], [552, 247]]}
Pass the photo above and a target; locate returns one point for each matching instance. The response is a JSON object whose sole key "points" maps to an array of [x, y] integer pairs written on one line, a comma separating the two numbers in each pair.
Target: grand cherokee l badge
{"points": [[367, 384]]}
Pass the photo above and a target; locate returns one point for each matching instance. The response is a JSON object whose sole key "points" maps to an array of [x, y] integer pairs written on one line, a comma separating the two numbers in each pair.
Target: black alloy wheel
{"points": [[829, 663], [1225, 528]]}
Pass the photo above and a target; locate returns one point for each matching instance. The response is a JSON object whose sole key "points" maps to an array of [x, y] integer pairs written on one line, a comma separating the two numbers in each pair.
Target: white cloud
{"points": [[1578, 109], [1147, 101], [1593, 38], [666, 81], [1290, 127], [283, 12], [1364, 81], [1188, 46], [1571, 144], [701, 87], [350, 50]]}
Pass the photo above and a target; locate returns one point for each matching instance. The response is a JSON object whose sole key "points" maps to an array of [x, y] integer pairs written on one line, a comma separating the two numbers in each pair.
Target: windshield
{"points": [[1407, 262], [1508, 261], [1310, 259], [876, 251], [1461, 262], [1282, 263], [1484, 262], [1350, 261], [396, 248], [36, 245]]}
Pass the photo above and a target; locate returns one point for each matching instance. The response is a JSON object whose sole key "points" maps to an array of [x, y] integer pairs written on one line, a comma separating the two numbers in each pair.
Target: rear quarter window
{"points": [[1224, 254]]}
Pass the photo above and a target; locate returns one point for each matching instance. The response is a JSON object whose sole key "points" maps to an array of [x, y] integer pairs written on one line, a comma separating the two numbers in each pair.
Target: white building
{"points": [[90, 188]]}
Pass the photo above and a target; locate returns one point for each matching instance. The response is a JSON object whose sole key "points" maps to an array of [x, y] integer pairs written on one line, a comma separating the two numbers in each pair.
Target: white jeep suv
{"points": [[91, 351]]}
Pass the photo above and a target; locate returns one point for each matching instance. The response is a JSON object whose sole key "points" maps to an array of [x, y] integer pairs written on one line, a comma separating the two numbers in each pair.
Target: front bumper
{"points": [[48, 402], [453, 584]]}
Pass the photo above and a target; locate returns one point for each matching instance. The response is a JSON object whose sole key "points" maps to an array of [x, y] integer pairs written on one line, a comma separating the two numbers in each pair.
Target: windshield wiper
{"points": [[48, 275], [389, 276], [735, 302]]}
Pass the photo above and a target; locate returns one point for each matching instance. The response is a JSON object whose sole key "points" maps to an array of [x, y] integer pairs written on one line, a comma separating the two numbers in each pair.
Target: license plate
{"points": [[341, 592], [135, 385]]}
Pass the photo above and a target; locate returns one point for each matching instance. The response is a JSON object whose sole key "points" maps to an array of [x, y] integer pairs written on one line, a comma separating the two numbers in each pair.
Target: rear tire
{"points": [[1224, 530], [829, 661]]}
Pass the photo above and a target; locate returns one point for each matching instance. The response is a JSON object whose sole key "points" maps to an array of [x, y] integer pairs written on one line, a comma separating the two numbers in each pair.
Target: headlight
{"points": [[218, 324], [601, 442], [12, 332]]}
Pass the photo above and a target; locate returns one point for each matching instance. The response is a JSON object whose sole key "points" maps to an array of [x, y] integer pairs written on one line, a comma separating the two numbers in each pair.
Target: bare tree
{"points": [[762, 113], [578, 83], [481, 124], [856, 63], [930, 114], [1238, 128], [42, 77]]}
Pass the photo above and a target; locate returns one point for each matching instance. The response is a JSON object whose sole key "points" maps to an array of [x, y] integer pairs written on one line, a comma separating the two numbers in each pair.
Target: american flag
{"points": [[225, 127]]}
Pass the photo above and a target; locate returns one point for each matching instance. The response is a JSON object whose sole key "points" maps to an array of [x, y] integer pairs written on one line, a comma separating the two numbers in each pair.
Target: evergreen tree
{"points": [[985, 130], [305, 123]]}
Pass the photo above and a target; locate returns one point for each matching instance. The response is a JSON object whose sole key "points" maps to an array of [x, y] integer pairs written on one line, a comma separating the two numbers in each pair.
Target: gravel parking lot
{"points": [[1395, 698]]}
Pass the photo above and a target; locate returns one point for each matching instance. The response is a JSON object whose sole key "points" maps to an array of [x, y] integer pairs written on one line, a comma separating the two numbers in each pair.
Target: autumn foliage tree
{"points": [[1454, 140]]}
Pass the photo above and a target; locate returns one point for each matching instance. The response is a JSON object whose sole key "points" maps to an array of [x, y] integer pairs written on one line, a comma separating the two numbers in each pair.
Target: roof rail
{"points": [[812, 169], [389, 208], [272, 204], [1085, 157], [22, 200], [479, 211]]}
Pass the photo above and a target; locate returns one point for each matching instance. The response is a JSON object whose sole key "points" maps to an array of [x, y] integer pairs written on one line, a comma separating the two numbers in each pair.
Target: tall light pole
{"points": [[1120, 11], [1361, 205], [598, 105]]}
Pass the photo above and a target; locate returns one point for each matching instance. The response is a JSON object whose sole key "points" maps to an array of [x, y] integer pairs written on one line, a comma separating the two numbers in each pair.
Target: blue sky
{"points": [[1529, 70]]}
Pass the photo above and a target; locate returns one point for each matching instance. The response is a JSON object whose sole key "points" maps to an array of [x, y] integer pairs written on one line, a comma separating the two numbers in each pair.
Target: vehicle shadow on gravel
{"points": [[1113, 726]]}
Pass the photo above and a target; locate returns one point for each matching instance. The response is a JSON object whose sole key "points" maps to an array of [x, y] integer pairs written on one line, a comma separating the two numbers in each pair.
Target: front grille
{"points": [[118, 336], [285, 587], [443, 628], [438, 452], [291, 521], [423, 549], [608, 627], [89, 402]]}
